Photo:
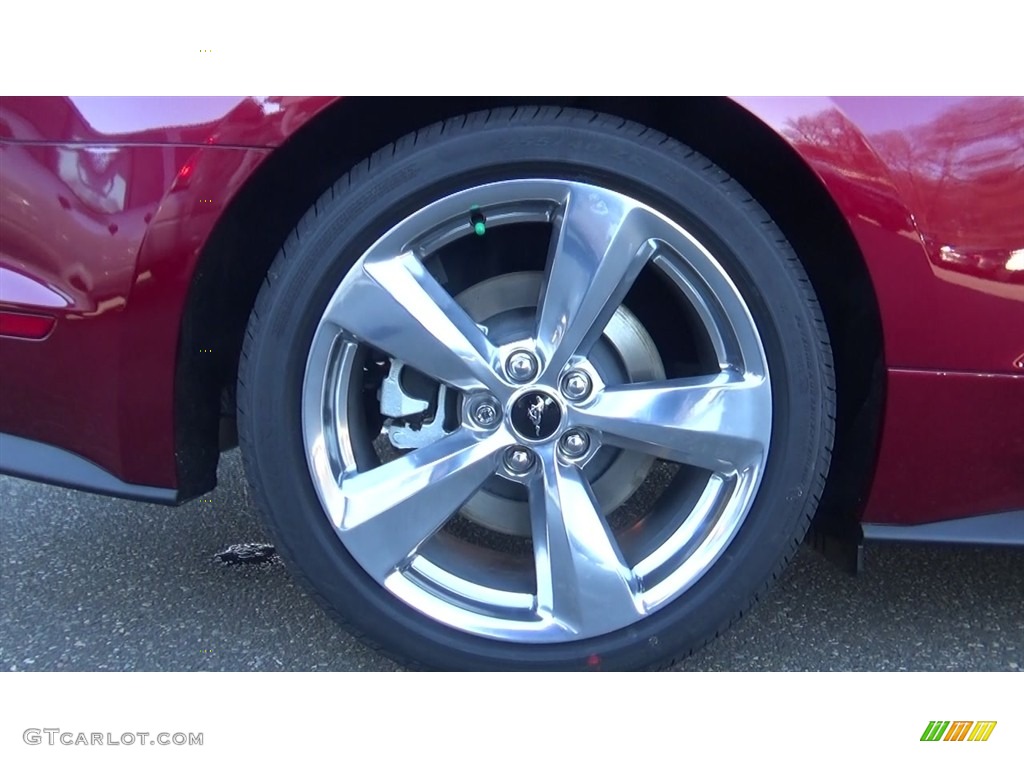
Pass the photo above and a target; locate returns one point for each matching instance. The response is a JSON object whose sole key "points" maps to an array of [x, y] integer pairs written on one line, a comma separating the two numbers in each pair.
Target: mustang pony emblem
{"points": [[535, 412]]}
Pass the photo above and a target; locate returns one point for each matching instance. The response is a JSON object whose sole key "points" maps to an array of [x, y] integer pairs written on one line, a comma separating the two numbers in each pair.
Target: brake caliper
{"points": [[412, 422]]}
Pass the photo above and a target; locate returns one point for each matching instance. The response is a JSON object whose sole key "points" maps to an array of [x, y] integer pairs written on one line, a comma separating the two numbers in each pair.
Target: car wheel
{"points": [[536, 389]]}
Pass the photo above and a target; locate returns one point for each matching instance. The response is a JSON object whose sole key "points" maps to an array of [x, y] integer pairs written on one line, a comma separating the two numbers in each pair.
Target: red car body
{"points": [[113, 209]]}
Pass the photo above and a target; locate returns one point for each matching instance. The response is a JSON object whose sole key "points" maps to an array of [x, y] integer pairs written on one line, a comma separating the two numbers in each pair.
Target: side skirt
{"points": [[1001, 528], [48, 464]]}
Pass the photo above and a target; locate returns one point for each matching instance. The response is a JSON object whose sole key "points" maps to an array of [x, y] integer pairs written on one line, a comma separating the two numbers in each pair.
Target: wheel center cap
{"points": [[536, 415]]}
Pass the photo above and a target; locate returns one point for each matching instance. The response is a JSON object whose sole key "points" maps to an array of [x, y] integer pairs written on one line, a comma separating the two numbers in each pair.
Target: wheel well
{"points": [[245, 241]]}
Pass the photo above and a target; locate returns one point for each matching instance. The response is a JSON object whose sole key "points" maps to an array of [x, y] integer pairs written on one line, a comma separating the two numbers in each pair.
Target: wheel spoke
{"points": [[599, 246], [720, 422], [384, 514], [395, 305], [583, 583]]}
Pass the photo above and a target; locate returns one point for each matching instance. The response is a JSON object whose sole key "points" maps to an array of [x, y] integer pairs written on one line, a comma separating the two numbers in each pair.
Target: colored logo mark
{"points": [[958, 730]]}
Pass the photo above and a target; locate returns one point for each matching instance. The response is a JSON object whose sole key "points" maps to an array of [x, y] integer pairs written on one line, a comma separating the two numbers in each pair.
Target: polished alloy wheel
{"points": [[536, 389], [519, 418]]}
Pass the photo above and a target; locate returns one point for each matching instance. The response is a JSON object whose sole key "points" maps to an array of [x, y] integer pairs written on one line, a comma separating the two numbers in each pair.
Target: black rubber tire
{"points": [[502, 144]]}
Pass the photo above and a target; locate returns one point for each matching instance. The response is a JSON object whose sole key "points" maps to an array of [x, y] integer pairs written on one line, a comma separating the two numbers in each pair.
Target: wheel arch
{"points": [[237, 255]]}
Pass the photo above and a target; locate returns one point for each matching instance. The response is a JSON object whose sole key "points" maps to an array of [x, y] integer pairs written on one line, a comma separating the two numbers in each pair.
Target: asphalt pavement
{"points": [[90, 583]]}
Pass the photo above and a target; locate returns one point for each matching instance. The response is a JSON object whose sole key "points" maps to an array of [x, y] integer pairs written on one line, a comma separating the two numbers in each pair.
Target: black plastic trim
{"points": [[1002, 528], [48, 464]]}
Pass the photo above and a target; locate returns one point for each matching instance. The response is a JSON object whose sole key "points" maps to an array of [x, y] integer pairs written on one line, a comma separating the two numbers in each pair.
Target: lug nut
{"points": [[576, 385], [521, 366], [518, 459], [574, 444], [485, 414]]}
